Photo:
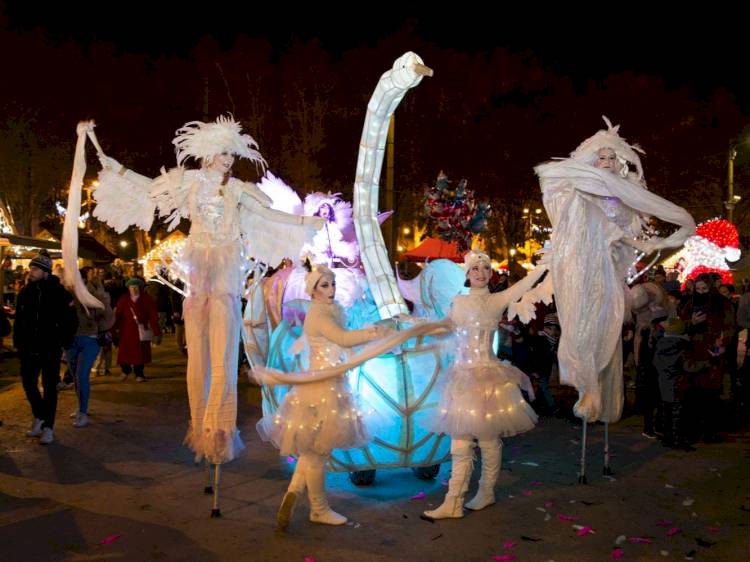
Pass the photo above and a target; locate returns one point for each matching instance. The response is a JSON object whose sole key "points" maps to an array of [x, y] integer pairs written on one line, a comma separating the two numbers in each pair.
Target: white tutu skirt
{"points": [[484, 402], [319, 417]]}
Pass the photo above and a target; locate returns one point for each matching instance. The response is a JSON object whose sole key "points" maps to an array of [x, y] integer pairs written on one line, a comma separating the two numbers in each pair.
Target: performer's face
{"points": [[36, 273], [479, 275], [221, 163], [606, 160], [325, 290]]}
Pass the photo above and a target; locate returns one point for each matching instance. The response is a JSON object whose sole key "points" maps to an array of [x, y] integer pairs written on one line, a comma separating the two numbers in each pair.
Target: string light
{"points": [[715, 243]]}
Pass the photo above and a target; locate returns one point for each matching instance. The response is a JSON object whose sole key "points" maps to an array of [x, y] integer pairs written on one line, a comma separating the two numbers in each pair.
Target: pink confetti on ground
{"points": [[527, 493], [562, 517], [714, 530], [617, 554], [419, 496], [673, 531], [663, 523], [639, 540], [503, 557], [583, 531], [110, 539], [290, 460], [547, 504], [508, 545]]}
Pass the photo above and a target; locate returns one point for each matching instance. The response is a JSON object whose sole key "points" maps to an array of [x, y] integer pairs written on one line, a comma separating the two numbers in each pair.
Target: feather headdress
{"points": [[588, 150], [205, 140]]}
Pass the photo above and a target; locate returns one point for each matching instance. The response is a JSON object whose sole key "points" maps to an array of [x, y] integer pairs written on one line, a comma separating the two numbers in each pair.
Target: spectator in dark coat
{"points": [[45, 323]]}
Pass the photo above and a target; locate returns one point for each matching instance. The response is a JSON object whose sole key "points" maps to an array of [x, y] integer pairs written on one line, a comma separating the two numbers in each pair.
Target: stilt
{"points": [[208, 488], [582, 473], [607, 471], [215, 511]]}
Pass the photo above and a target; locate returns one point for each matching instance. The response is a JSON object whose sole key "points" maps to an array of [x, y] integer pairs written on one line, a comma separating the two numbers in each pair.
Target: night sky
{"points": [[676, 82], [703, 50]]}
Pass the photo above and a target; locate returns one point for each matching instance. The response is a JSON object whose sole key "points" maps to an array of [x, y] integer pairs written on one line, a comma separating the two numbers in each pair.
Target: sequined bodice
{"points": [[476, 317], [474, 345], [213, 211]]}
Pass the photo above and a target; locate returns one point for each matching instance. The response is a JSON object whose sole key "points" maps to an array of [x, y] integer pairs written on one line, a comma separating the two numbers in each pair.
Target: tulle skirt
{"points": [[483, 401], [319, 417]]}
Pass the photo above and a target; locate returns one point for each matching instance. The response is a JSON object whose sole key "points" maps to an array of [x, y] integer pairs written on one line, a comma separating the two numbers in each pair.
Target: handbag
{"points": [[144, 333]]}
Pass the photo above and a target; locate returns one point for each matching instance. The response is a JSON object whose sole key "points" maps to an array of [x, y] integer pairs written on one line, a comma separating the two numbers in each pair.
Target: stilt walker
{"points": [[230, 222], [596, 201]]}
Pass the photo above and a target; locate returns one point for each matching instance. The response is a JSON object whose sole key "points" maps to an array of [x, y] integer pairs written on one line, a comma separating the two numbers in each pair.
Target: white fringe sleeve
{"points": [[273, 235], [169, 193], [123, 200]]}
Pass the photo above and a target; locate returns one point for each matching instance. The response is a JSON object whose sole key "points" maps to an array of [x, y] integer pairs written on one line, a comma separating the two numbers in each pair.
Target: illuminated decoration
{"points": [[402, 389], [336, 244], [6, 220], [407, 72], [715, 243], [165, 256], [453, 214], [401, 385], [81, 219]]}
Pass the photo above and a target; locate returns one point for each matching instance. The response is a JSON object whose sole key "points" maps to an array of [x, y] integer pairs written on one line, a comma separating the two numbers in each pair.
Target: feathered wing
{"points": [[124, 200], [272, 235], [283, 197], [169, 192]]}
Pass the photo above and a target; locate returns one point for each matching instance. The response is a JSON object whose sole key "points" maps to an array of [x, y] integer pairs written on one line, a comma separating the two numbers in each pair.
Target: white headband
{"points": [[473, 258], [312, 277]]}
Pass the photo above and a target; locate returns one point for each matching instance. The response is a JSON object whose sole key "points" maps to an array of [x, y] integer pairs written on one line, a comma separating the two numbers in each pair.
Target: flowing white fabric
{"points": [[71, 276], [272, 377], [594, 212], [323, 414]]}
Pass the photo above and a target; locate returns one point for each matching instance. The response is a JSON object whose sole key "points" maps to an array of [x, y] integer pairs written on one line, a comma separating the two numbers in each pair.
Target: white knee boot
{"points": [[294, 491], [320, 511], [462, 463], [492, 453]]}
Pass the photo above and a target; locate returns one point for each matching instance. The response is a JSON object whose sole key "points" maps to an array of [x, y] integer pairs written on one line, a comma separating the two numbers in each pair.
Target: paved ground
{"points": [[124, 489]]}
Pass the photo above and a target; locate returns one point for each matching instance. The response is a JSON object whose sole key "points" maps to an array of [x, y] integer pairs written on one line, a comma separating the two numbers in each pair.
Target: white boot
{"points": [[461, 459], [492, 453], [294, 491], [320, 511]]}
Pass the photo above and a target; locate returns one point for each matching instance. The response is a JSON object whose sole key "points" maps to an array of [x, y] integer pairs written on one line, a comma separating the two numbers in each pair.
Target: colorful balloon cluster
{"points": [[452, 213]]}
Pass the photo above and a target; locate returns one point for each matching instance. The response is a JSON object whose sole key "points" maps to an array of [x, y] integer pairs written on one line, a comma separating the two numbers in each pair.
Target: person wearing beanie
{"points": [[45, 324], [669, 342], [135, 312], [544, 359]]}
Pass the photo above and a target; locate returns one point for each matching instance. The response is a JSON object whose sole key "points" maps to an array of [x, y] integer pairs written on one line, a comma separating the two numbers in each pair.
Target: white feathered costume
{"points": [[596, 218], [231, 220]]}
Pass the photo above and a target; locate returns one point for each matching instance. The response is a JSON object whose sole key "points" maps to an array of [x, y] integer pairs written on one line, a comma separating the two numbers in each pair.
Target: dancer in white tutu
{"points": [[482, 398], [323, 415]]}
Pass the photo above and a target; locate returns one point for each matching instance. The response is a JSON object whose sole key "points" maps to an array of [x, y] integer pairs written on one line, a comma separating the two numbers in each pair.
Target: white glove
{"points": [[110, 163]]}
